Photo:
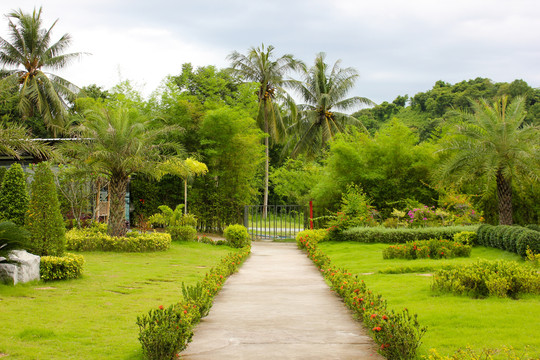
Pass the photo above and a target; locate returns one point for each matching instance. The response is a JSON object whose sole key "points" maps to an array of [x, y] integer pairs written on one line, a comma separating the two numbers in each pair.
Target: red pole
{"points": [[311, 214]]}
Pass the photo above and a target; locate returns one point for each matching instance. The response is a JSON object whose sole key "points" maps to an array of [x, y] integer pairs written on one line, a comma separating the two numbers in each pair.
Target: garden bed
{"points": [[453, 321]]}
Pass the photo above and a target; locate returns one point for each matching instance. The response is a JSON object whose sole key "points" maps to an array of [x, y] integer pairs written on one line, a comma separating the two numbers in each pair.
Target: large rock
{"points": [[24, 269]]}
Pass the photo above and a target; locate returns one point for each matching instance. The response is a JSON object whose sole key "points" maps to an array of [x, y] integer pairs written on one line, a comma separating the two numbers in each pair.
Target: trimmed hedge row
{"points": [[397, 333], [164, 332], [92, 240], [64, 267], [515, 239], [395, 236]]}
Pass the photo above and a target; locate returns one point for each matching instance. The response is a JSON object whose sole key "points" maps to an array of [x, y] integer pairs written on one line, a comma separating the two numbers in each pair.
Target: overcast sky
{"points": [[398, 47]]}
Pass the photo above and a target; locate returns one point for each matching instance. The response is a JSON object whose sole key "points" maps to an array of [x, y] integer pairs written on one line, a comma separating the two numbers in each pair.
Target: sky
{"points": [[398, 47]]}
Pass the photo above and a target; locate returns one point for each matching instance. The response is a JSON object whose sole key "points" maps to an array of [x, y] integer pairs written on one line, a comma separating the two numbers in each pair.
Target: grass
{"points": [[453, 321], [94, 317]]}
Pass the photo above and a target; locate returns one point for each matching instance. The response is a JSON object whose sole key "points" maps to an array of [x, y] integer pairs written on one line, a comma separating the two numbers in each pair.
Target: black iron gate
{"points": [[280, 222]]}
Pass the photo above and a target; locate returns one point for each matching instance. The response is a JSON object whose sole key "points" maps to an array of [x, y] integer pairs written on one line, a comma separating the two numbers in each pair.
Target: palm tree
{"points": [[260, 67], [31, 51], [493, 144], [117, 142], [15, 140], [317, 122], [185, 169]]}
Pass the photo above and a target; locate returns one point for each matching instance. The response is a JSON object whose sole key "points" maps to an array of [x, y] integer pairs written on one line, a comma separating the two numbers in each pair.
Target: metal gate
{"points": [[281, 221]]}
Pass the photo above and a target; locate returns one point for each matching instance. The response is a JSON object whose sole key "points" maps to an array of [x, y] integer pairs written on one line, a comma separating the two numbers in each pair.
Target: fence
{"points": [[280, 222]]}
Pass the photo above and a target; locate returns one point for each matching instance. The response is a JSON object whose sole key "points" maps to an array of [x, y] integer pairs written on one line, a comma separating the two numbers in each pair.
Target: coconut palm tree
{"points": [[493, 144], [32, 52], [316, 121], [259, 66], [117, 142]]}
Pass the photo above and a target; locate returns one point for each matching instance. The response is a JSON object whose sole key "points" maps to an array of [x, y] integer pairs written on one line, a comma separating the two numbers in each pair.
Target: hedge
{"points": [[92, 240], [510, 238], [64, 267], [395, 236]]}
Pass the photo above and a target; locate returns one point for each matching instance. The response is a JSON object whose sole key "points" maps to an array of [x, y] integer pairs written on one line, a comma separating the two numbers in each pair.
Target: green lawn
{"points": [[94, 317], [453, 321]]}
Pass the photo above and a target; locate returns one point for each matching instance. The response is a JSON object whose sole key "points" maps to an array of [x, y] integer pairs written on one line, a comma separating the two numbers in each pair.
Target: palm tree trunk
{"points": [[117, 217], [185, 196], [267, 160], [504, 194]]}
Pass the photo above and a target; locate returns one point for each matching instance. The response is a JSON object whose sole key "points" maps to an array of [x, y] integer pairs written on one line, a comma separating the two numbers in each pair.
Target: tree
{"points": [[44, 219], [322, 91], [15, 140], [14, 195], [31, 51], [185, 169], [493, 145], [259, 66], [116, 142]]}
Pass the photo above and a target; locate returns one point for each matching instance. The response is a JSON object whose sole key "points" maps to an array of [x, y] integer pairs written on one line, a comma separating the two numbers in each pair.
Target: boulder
{"points": [[25, 268]]}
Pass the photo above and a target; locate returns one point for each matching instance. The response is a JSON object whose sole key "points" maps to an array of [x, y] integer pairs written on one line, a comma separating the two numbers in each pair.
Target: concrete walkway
{"points": [[279, 307]]}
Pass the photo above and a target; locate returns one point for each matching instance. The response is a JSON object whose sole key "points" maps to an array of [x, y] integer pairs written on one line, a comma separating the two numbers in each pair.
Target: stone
{"points": [[24, 269]]}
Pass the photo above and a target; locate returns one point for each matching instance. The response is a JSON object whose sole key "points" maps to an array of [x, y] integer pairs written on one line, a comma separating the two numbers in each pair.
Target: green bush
{"points": [[91, 239], [44, 220], [433, 249], [163, 333], [528, 239], [14, 196], [314, 236], [488, 278], [401, 236], [65, 267], [237, 235], [182, 233], [535, 227], [466, 238]]}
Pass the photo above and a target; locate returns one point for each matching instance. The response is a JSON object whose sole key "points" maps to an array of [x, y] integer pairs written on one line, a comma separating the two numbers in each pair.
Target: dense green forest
{"points": [[277, 130]]}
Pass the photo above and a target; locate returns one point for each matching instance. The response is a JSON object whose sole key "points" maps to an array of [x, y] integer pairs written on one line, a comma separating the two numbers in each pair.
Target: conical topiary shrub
{"points": [[44, 220], [14, 195]]}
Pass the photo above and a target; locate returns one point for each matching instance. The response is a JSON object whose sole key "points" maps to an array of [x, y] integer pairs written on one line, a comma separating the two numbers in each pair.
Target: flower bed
{"points": [[398, 334], [433, 249], [164, 332]]}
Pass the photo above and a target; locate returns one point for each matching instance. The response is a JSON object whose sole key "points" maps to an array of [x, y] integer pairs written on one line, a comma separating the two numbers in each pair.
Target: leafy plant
{"points": [[12, 237], [197, 296], [65, 267], [164, 332], [44, 219], [488, 278], [237, 235], [466, 238], [182, 233], [14, 195], [433, 249], [96, 239]]}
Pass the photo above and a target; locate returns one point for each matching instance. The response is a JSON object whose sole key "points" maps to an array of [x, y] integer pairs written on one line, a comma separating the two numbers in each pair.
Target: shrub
{"points": [[170, 217], [466, 238], [313, 236], [533, 227], [92, 239], [528, 239], [434, 249], [14, 196], [237, 235], [197, 296], [182, 233], [65, 267], [397, 236], [44, 220], [163, 333], [488, 278]]}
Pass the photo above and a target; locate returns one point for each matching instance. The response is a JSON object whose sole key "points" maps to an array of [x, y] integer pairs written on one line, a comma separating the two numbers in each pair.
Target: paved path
{"points": [[278, 307]]}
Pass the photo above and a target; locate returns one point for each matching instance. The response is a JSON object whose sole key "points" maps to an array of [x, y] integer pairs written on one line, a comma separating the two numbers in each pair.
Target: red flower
{"points": [[160, 307], [385, 317], [185, 311], [373, 316], [377, 328]]}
